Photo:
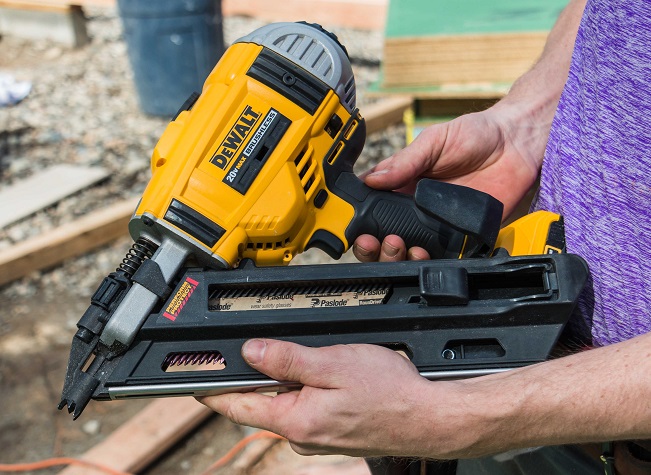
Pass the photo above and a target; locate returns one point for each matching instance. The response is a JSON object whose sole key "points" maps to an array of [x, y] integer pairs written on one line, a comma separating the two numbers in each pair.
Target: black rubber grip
{"points": [[448, 221], [382, 213]]}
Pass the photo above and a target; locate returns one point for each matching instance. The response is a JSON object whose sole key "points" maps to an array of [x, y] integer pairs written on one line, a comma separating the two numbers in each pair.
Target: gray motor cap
{"points": [[313, 49]]}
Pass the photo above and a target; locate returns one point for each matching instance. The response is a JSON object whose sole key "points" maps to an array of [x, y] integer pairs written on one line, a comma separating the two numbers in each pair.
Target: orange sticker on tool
{"points": [[180, 299]]}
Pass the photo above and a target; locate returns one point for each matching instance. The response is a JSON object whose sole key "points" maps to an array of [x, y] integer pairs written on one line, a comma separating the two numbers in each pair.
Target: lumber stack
{"points": [[361, 14], [434, 43]]}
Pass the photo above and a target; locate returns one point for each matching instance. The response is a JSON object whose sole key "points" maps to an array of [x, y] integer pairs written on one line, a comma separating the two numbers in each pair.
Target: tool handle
{"points": [[448, 221]]}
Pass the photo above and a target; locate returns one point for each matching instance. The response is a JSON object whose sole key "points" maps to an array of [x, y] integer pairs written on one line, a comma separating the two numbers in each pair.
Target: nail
{"points": [[253, 351], [380, 172], [361, 251], [389, 250]]}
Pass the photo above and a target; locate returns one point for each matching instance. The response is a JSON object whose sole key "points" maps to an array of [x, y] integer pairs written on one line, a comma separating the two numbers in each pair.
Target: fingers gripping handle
{"points": [[384, 213], [448, 221]]}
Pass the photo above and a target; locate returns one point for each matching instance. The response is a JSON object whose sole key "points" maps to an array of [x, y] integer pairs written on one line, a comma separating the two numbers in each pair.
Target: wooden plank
{"points": [[145, 437], [362, 14], [493, 58], [38, 6], [63, 24], [384, 113], [434, 42], [45, 188], [72, 239]]}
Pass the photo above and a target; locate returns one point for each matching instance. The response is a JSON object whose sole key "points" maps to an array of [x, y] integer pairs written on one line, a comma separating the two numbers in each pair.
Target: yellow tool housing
{"points": [[540, 232], [201, 151]]}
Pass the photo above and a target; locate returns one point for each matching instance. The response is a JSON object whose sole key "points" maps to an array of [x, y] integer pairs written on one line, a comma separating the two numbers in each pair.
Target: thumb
{"points": [[285, 361], [407, 165]]}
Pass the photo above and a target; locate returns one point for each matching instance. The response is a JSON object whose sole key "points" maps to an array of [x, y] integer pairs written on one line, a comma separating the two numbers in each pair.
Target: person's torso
{"points": [[597, 167]]}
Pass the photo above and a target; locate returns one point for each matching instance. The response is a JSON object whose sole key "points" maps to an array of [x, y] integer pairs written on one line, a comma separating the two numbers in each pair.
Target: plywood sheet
{"points": [[433, 42]]}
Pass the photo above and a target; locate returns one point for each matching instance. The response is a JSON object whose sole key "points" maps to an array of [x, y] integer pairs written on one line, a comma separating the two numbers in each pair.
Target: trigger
{"points": [[327, 242]]}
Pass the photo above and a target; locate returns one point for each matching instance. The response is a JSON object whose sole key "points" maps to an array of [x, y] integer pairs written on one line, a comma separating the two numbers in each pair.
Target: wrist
{"points": [[476, 416], [460, 422], [529, 107], [526, 121]]}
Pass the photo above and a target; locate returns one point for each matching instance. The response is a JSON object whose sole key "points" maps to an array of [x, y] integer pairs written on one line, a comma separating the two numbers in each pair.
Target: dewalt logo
{"points": [[235, 138]]}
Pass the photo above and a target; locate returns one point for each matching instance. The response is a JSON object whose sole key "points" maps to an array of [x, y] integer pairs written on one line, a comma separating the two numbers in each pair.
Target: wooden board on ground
{"points": [[44, 4], [435, 42], [44, 189], [142, 439], [78, 237], [36, 20], [282, 459], [384, 113]]}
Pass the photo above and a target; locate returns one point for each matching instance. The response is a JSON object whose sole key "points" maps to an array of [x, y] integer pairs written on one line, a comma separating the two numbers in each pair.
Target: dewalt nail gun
{"points": [[258, 168]]}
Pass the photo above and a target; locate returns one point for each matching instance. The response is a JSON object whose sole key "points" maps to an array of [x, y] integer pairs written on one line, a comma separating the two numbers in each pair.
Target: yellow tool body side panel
{"points": [[281, 222], [188, 139], [275, 217], [527, 235]]}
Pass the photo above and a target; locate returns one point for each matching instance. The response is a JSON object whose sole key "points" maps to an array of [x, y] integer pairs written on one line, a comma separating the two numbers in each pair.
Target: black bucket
{"points": [[173, 45]]}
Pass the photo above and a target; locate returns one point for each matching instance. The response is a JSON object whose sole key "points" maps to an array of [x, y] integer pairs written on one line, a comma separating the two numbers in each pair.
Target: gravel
{"points": [[83, 110]]}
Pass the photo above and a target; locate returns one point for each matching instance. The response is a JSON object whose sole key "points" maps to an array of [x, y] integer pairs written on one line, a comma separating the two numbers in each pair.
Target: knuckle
{"points": [[301, 434], [288, 362], [335, 363], [239, 412], [233, 413]]}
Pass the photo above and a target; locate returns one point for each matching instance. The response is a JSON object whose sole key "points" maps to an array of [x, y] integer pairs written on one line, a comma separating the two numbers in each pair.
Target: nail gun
{"points": [[258, 168]]}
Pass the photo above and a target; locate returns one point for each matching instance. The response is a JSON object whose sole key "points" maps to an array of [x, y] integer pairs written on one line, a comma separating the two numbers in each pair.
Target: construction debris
{"points": [[12, 91]]}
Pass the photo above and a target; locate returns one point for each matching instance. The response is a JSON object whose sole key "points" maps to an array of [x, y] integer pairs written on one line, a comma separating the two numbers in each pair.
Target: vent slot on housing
{"points": [[266, 245], [307, 172]]}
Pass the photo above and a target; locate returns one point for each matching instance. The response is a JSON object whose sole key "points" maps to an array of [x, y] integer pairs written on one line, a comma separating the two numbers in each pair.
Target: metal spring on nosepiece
{"points": [[194, 358], [140, 250]]}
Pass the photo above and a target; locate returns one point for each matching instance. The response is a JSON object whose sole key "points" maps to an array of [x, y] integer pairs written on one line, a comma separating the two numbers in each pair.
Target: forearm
{"points": [[596, 395], [530, 105]]}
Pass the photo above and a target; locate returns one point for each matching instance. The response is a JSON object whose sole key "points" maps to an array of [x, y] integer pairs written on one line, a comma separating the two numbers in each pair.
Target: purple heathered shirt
{"points": [[597, 167]]}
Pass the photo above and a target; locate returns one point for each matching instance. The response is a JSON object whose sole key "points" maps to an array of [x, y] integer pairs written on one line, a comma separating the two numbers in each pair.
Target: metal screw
{"points": [[289, 79], [448, 354]]}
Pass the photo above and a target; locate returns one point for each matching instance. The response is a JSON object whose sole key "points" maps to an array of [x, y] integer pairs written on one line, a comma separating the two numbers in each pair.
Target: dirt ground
{"points": [[38, 314]]}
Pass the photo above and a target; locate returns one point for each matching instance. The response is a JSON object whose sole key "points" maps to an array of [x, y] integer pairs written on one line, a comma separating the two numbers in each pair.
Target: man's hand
{"points": [[365, 400], [359, 400], [494, 151]]}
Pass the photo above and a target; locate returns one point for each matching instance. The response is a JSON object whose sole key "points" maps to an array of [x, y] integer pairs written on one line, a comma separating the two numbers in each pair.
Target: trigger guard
{"points": [[327, 242]]}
